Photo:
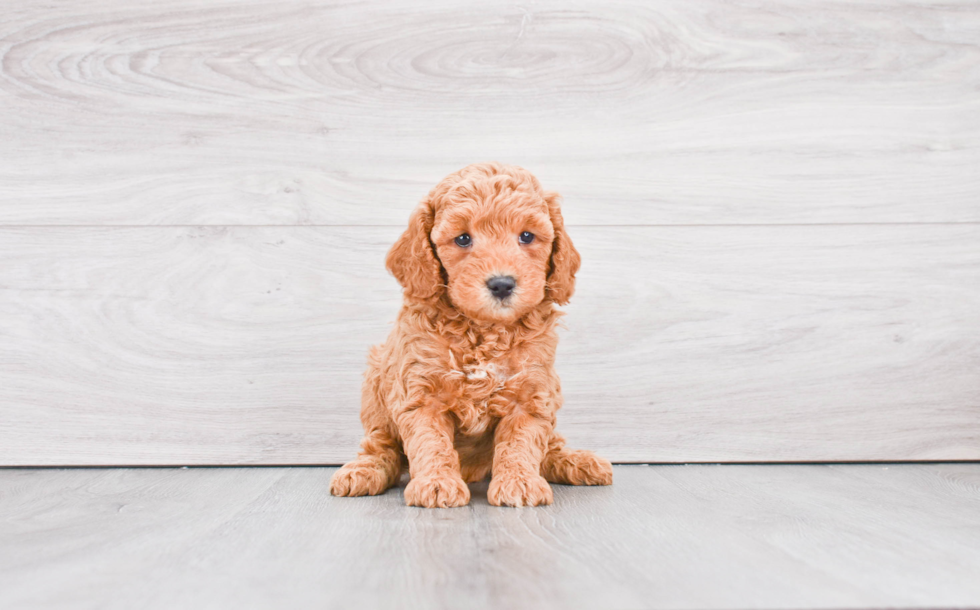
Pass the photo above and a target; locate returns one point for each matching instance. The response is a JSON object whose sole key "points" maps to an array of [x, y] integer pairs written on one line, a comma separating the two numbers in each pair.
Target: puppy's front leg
{"points": [[427, 434], [520, 443]]}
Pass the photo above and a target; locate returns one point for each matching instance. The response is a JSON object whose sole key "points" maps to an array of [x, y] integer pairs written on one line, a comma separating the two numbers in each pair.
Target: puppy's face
{"points": [[494, 244], [489, 239]]}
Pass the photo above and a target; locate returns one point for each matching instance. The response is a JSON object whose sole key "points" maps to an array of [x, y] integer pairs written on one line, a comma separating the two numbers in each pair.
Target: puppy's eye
{"points": [[464, 240], [526, 237]]}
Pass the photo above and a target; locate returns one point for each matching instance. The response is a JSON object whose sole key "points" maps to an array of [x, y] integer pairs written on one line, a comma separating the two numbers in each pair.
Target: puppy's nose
{"points": [[501, 286]]}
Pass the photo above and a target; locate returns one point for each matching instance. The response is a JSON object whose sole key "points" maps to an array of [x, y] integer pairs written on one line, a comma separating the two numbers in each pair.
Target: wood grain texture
{"points": [[245, 345], [195, 202], [640, 112], [661, 537]]}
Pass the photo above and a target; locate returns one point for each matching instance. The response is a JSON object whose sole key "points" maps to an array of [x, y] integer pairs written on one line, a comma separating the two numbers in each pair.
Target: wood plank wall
{"points": [[778, 206]]}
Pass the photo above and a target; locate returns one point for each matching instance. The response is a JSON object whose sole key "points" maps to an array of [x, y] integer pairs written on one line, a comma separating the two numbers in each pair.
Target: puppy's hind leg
{"points": [[380, 462], [574, 467], [375, 469]]}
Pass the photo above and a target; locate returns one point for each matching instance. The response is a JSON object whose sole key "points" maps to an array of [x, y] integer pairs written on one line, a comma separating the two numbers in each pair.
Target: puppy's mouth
{"points": [[503, 306]]}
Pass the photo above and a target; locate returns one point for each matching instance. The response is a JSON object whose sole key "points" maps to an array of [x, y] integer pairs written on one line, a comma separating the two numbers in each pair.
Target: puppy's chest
{"points": [[478, 374], [483, 389]]}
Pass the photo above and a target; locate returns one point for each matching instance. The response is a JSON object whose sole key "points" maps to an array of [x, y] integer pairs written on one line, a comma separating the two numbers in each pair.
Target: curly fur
{"points": [[465, 385]]}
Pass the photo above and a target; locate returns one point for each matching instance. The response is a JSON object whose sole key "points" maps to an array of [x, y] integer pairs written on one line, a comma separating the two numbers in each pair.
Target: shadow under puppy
{"points": [[465, 385]]}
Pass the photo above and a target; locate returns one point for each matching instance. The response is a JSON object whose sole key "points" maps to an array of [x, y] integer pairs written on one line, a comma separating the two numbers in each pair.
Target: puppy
{"points": [[465, 385]]}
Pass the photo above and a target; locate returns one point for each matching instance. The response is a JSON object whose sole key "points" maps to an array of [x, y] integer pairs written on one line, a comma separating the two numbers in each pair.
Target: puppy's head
{"points": [[491, 240]]}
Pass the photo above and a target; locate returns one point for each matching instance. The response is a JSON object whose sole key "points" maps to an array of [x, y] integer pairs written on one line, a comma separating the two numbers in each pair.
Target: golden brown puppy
{"points": [[465, 384]]}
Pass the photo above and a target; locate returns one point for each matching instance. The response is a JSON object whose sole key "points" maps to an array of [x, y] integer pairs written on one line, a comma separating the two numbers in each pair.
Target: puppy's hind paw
{"points": [[577, 468], [443, 490], [359, 478]]}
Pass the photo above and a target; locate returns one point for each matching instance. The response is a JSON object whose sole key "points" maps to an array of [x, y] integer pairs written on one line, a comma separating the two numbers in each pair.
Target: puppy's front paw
{"points": [[519, 490], [442, 490], [359, 478]]}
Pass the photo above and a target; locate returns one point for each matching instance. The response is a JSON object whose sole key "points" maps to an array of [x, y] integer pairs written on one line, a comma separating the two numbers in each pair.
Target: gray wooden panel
{"points": [[293, 112], [855, 536], [245, 345]]}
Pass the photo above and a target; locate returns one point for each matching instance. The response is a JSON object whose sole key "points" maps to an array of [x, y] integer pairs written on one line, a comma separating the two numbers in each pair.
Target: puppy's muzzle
{"points": [[501, 286]]}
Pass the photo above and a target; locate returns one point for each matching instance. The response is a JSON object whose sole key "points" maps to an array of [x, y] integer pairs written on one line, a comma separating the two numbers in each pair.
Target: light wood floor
{"points": [[707, 536]]}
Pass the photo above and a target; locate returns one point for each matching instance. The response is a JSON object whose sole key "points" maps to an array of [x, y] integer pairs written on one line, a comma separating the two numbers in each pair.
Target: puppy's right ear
{"points": [[412, 259]]}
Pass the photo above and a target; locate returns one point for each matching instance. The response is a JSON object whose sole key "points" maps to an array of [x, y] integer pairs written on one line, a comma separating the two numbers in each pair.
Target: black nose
{"points": [[501, 286]]}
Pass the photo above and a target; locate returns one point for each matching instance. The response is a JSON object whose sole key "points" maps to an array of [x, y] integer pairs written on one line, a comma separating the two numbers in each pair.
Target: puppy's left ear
{"points": [[565, 259], [412, 259]]}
